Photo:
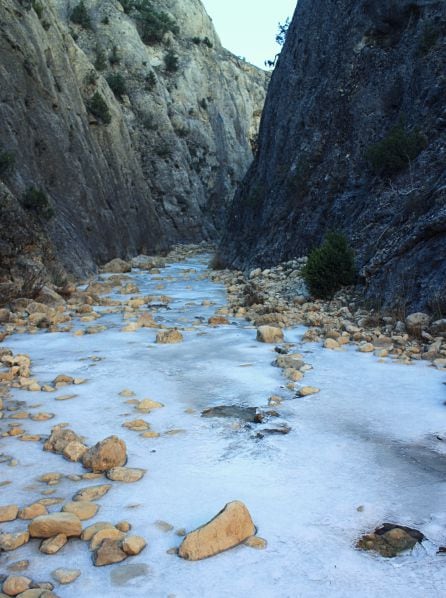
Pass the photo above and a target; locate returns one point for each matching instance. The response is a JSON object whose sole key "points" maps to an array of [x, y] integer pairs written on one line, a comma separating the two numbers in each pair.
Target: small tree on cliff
{"points": [[330, 266]]}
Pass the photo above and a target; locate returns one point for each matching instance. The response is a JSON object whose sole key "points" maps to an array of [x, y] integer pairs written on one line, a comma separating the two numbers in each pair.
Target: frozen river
{"points": [[366, 449]]}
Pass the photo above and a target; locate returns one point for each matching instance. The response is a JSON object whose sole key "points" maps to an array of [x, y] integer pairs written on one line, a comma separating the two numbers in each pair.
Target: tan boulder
{"points": [[148, 405], [107, 533], [366, 348], [59, 439], [133, 545], [232, 526], [308, 390], [54, 544], [110, 452], [16, 584], [91, 493], [91, 530], [331, 343], [47, 526], [74, 451], [218, 320], [12, 541], [32, 511], [117, 266], [269, 334], [83, 509], [8, 513], [169, 337], [65, 576], [125, 474], [108, 553]]}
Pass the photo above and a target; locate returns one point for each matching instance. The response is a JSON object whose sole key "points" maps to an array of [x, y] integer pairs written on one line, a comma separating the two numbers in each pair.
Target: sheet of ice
{"points": [[369, 439]]}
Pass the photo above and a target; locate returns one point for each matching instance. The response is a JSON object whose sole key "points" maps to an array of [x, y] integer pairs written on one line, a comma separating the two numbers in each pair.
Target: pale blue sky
{"points": [[248, 27]]}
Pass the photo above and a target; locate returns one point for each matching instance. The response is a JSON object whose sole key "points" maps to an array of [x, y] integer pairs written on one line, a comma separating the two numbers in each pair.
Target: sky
{"points": [[248, 27]]}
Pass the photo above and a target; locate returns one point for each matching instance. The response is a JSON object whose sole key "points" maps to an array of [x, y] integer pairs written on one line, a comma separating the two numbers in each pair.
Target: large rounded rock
{"points": [[83, 509], [417, 322], [269, 334], [232, 526], [16, 584], [169, 337], [59, 439], [117, 266], [108, 553], [109, 453], [47, 526]]}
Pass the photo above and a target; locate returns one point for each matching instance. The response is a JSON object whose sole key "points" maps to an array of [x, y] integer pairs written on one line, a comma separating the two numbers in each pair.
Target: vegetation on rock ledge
{"points": [[330, 266]]}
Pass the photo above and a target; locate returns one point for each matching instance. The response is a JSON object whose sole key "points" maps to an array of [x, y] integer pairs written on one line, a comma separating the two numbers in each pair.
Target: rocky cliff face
{"points": [[353, 138], [130, 170]]}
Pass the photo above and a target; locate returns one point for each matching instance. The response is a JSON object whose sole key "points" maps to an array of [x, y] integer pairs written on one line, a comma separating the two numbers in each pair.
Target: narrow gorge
{"points": [[222, 299]]}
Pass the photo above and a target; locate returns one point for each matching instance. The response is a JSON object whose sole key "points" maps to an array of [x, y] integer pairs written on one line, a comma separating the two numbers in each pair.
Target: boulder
{"points": [[59, 439], [169, 337], [110, 452], [65, 576], [83, 509], [117, 266], [307, 391], [438, 327], [74, 450], [91, 493], [390, 540], [107, 533], [417, 322], [16, 584], [269, 334], [125, 474], [54, 544], [108, 553], [93, 529], [32, 511], [47, 526], [232, 526], [133, 545], [8, 513], [12, 541]]}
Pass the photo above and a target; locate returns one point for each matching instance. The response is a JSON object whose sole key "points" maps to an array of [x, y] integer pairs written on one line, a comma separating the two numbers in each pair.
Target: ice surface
{"points": [[369, 438]]}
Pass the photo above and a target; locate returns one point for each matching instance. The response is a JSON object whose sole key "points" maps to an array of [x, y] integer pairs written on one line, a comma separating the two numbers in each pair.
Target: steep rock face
{"points": [[348, 77], [176, 145]]}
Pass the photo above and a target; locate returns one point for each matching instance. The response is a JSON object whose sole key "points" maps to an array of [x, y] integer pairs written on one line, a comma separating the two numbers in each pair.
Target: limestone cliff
{"points": [[130, 170], [353, 138]]}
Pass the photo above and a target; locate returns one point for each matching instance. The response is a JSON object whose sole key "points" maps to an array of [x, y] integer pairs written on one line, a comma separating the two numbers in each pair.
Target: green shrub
{"points": [[153, 24], [128, 6], [117, 84], [330, 266], [163, 151], [38, 8], [35, 200], [100, 64], [105, 20], [395, 151], [80, 16], [207, 42], [7, 160], [97, 106], [196, 40], [171, 62], [150, 81]]}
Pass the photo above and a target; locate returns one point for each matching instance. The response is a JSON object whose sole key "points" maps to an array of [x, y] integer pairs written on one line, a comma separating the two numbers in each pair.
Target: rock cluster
{"points": [[277, 298]]}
